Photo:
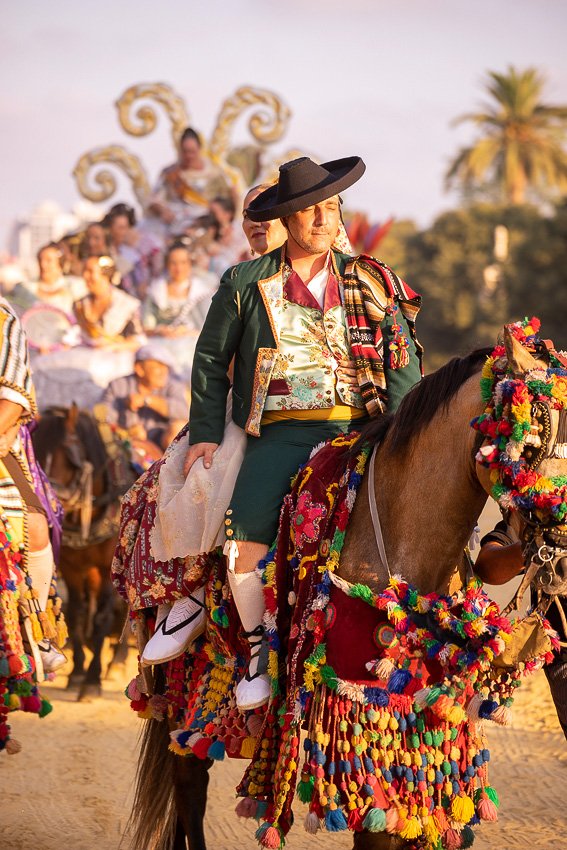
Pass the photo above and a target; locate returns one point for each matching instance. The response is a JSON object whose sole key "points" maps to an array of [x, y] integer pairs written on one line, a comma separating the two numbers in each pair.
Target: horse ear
{"points": [[519, 358], [71, 419]]}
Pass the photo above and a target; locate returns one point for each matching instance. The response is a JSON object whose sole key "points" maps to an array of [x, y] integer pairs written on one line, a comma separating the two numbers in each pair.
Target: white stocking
{"points": [[40, 568], [248, 594]]}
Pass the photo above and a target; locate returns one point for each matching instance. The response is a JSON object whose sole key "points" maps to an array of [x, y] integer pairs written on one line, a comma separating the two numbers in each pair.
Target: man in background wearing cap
{"points": [[151, 405], [307, 327]]}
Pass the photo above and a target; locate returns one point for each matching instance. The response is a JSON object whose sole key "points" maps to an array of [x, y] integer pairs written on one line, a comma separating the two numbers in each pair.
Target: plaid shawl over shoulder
{"points": [[371, 291]]}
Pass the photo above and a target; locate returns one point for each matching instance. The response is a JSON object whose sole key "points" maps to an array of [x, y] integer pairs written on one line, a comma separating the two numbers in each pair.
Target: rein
{"points": [[544, 543], [524, 425], [379, 537]]}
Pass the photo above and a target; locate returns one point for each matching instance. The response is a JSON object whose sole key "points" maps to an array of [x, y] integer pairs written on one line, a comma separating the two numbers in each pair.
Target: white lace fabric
{"points": [[191, 511]]}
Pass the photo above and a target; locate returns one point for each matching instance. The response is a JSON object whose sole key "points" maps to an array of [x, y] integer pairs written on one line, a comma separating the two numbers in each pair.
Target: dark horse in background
{"points": [[90, 471]]}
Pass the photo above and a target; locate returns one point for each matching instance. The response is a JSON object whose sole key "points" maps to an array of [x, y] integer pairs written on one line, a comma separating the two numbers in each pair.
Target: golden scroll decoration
{"points": [[267, 124], [119, 158], [144, 119]]}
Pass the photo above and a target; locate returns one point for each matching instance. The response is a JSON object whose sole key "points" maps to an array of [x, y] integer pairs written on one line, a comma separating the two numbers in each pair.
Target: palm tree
{"points": [[522, 145]]}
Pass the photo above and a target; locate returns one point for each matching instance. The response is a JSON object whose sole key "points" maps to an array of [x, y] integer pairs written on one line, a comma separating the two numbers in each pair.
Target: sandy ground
{"points": [[70, 788]]}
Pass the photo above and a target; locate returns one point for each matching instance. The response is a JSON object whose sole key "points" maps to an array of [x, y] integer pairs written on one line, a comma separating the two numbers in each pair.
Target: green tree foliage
{"points": [[521, 146], [468, 294]]}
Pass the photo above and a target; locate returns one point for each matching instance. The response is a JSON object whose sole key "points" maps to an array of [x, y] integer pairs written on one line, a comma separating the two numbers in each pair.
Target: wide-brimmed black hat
{"points": [[302, 183]]}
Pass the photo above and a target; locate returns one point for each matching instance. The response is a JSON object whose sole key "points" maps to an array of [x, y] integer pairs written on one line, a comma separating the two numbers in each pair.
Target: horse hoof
{"points": [[89, 692], [75, 680], [115, 672]]}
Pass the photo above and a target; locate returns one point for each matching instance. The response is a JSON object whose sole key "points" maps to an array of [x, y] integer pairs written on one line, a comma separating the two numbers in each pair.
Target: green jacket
{"points": [[243, 322]]}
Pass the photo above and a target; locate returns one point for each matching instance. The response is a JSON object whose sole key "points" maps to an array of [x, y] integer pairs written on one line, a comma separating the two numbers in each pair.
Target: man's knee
{"points": [[249, 554], [38, 532]]}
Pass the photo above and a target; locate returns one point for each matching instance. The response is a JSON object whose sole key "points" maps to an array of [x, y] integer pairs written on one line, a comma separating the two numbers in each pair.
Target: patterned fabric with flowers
{"points": [[138, 577], [311, 343]]}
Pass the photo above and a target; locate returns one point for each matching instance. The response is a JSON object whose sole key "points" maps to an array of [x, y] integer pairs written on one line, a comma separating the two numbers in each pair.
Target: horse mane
{"points": [[50, 433], [420, 405]]}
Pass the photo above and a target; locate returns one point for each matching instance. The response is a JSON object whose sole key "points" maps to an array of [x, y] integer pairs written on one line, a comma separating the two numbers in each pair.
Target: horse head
{"points": [[61, 452], [73, 455], [522, 461]]}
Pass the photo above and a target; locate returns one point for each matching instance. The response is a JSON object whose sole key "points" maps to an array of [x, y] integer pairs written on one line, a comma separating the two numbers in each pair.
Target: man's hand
{"points": [[346, 372], [204, 450]]}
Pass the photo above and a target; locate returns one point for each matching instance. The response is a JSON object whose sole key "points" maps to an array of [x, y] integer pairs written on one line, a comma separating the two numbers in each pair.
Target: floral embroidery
{"points": [[264, 367], [128, 536], [311, 344], [307, 519]]}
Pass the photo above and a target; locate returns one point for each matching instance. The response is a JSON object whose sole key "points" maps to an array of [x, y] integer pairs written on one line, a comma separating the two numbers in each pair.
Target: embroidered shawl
{"points": [[371, 290]]}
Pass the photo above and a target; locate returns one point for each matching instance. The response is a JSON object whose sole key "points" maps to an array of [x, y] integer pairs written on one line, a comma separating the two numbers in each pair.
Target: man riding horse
{"points": [[320, 342]]}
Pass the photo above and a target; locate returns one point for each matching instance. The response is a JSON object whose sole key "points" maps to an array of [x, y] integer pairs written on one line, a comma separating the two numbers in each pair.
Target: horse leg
{"points": [[191, 779], [180, 839], [102, 625], [117, 667], [94, 586], [75, 615]]}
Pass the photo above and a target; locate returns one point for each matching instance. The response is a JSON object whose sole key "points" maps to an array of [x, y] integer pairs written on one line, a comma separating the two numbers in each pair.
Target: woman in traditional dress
{"points": [[52, 286], [177, 304], [107, 315], [136, 253], [184, 190]]}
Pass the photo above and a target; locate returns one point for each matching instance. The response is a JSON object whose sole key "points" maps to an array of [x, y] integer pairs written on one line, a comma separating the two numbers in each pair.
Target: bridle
{"points": [[76, 496], [543, 540]]}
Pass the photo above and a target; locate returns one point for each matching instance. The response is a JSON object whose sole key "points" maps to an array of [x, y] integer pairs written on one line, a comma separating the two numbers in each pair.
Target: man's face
{"points": [[152, 373], [315, 228]]}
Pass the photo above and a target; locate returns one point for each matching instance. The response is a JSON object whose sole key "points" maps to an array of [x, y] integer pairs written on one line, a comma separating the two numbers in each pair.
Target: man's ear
{"points": [[139, 369]]}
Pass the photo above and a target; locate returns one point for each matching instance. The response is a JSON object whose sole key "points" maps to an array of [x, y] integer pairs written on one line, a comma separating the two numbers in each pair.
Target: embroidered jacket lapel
{"points": [[271, 291]]}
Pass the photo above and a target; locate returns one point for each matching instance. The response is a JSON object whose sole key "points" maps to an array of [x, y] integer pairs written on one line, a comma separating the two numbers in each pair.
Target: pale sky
{"points": [[379, 79]]}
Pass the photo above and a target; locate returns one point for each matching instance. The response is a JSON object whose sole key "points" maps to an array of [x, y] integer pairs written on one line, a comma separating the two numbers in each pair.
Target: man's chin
{"points": [[319, 246]]}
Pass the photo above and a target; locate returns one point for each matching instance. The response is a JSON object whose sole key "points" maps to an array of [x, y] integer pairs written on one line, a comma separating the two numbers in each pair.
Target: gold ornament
{"points": [[172, 104], [267, 124], [118, 157]]}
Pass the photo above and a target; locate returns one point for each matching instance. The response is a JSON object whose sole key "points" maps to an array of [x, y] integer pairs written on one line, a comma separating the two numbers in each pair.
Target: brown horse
{"points": [[89, 475], [429, 493]]}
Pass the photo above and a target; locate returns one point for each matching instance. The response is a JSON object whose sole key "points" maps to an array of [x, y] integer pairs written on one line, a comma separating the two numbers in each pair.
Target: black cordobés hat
{"points": [[303, 183]]}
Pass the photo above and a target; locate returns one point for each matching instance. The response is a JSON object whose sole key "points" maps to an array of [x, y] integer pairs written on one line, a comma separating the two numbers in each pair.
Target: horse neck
{"points": [[428, 499]]}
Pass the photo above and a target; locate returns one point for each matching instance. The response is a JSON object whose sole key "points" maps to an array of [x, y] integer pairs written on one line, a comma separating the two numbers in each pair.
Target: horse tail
{"points": [[153, 818]]}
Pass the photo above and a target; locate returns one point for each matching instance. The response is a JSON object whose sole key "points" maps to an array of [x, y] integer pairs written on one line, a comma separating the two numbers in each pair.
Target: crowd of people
{"points": [[122, 283]]}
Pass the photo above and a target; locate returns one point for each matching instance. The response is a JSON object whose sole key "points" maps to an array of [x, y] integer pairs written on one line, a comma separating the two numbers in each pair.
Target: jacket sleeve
{"points": [[215, 349]]}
